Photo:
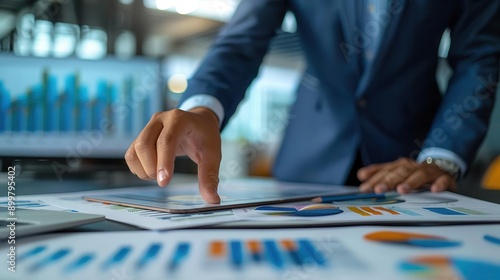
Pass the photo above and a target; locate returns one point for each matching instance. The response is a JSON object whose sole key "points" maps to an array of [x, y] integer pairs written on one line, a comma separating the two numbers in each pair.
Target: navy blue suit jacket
{"points": [[390, 110]]}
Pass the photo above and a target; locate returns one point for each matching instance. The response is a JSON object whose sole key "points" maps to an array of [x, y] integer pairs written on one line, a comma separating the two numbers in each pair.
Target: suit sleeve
{"points": [[463, 117], [235, 57]]}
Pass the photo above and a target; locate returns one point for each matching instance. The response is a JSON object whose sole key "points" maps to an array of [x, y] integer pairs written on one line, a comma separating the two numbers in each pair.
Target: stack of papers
{"points": [[375, 252]]}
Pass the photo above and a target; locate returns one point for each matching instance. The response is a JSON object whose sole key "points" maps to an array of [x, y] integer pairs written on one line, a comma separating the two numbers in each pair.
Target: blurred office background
{"points": [[80, 78]]}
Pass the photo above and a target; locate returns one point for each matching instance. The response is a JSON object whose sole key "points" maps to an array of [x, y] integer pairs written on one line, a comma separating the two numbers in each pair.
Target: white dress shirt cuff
{"points": [[205, 101], [443, 154]]}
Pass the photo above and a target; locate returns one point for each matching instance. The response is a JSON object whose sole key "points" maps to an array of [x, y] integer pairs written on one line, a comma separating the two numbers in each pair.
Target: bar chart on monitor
{"points": [[93, 109]]}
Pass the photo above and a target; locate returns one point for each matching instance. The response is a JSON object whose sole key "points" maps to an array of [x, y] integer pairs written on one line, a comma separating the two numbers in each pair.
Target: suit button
{"points": [[362, 103]]}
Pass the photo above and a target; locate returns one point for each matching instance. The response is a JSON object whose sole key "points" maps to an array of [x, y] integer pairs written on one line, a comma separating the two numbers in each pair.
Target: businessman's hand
{"points": [[173, 133], [404, 175]]}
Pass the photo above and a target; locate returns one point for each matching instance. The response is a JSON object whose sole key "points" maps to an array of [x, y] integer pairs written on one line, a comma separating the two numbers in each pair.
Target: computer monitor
{"points": [[72, 108]]}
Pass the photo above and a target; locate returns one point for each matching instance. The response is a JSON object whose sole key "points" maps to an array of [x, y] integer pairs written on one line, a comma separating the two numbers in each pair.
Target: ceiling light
{"points": [[165, 4], [187, 6], [177, 83]]}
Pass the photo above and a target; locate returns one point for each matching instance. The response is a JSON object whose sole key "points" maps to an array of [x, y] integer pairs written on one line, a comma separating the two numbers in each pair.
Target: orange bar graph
{"points": [[254, 246], [358, 211], [387, 210], [217, 249], [371, 211], [288, 244]]}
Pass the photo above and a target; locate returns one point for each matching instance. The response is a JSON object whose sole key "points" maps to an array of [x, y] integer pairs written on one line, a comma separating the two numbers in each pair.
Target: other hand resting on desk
{"points": [[404, 175]]}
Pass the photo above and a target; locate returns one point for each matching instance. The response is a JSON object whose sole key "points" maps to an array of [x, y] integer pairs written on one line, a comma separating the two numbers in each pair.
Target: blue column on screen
{"points": [[146, 111], [35, 109], [19, 114], [99, 105], [83, 116], [51, 104], [5, 108], [67, 104], [112, 98], [129, 100]]}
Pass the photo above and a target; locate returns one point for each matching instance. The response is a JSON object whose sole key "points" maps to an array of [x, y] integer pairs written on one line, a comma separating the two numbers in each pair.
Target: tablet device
{"points": [[28, 221], [182, 199]]}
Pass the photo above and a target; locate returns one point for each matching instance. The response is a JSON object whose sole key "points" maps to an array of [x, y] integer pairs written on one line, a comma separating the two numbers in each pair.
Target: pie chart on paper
{"points": [[370, 201], [305, 210], [411, 239], [443, 267]]}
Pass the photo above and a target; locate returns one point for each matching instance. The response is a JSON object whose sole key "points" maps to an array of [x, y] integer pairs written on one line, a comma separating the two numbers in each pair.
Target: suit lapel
{"points": [[385, 44], [346, 10]]}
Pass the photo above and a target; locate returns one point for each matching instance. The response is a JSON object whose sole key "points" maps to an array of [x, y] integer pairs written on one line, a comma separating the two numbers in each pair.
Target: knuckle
{"points": [[157, 116], [423, 172], [404, 170], [213, 176], [151, 173], [390, 178], [403, 161], [130, 156], [165, 141], [176, 113], [141, 145], [143, 176]]}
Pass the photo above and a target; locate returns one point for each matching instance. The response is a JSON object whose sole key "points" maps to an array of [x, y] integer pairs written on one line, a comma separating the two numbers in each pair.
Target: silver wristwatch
{"points": [[445, 165]]}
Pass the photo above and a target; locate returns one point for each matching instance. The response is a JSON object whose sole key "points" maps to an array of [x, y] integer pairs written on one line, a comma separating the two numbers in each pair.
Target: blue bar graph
{"points": [[149, 255], [55, 257], [180, 254], [118, 257], [33, 252], [308, 249], [67, 105], [492, 239], [50, 115], [19, 115], [82, 113], [5, 104], [444, 211], [236, 253], [35, 109], [273, 254], [79, 263]]}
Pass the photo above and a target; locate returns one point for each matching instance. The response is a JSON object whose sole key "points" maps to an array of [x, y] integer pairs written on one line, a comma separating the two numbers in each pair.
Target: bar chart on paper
{"points": [[414, 211], [154, 257], [443, 267], [319, 253], [423, 207]]}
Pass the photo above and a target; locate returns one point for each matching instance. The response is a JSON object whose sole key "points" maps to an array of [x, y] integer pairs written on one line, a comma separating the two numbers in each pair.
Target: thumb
{"points": [[208, 177]]}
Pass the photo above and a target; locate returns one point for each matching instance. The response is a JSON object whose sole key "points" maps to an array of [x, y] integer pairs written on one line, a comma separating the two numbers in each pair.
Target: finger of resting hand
{"points": [[377, 178], [397, 175], [366, 172], [416, 180], [443, 183], [145, 147]]}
